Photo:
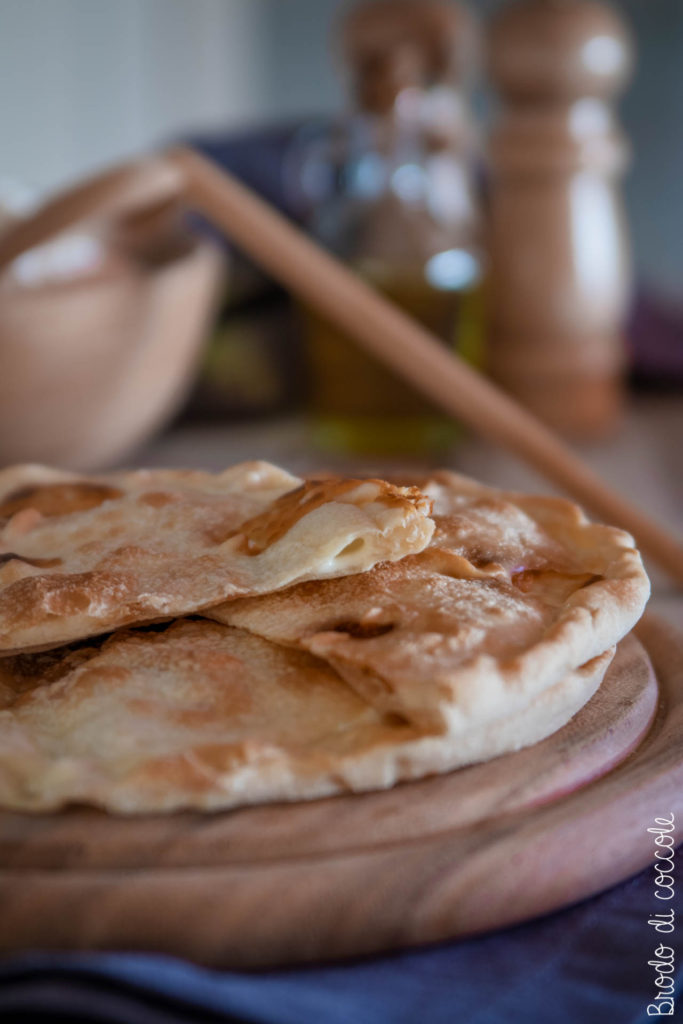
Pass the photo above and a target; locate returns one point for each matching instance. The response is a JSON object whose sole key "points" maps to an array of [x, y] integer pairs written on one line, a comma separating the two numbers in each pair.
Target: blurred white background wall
{"points": [[86, 82]]}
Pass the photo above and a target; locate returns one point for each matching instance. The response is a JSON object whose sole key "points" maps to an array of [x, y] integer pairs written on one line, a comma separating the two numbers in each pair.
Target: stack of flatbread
{"points": [[180, 639]]}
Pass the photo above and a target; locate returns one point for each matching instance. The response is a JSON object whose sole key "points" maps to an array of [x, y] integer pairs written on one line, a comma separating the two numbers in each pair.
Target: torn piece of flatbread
{"points": [[199, 715], [513, 593], [81, 556]]}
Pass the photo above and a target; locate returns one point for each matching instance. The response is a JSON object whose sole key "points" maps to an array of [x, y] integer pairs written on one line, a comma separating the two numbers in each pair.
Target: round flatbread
{"points": [[199, 715]]}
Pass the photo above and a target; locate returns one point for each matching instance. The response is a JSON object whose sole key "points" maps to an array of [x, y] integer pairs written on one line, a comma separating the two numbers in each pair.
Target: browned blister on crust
{"points": [[81, 556]]}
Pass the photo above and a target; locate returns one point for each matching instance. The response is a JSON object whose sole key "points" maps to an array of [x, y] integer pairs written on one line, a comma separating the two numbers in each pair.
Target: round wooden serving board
{"points": [[477, 849]]}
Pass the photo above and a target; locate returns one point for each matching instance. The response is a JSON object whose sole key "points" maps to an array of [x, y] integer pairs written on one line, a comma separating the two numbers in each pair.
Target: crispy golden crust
{"points": [[513, 593], [196, 714], [80, 556]]}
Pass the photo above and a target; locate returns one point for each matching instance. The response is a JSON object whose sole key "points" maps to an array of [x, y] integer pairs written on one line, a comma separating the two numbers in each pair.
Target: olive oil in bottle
{"points": [[402, 210], [359, 405]]}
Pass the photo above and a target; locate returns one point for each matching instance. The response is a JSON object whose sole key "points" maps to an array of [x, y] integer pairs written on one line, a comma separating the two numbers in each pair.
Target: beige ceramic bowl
{"points": [[90, 367]]}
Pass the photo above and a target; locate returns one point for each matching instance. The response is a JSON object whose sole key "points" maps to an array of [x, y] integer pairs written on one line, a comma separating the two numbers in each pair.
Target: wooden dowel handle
{"points": [[323, 283]]}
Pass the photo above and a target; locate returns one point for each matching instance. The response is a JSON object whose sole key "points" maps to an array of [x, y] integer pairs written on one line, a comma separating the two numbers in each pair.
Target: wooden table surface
{"points": [[644, 460]]}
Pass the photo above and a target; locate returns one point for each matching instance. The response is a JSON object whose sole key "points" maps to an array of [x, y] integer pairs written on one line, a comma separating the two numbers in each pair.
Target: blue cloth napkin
{"points": [[585, 965]]}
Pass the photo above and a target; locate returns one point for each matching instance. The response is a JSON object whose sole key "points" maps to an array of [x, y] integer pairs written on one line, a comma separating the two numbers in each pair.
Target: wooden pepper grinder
{"points": [[559, 248]]}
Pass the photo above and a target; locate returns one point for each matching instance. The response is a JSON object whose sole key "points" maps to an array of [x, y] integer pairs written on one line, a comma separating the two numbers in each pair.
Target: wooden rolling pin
{"points": [[377, 324]]}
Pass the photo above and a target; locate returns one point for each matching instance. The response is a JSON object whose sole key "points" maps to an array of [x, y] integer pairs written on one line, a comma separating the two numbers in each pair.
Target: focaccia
{"points": [[81, 556]]}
